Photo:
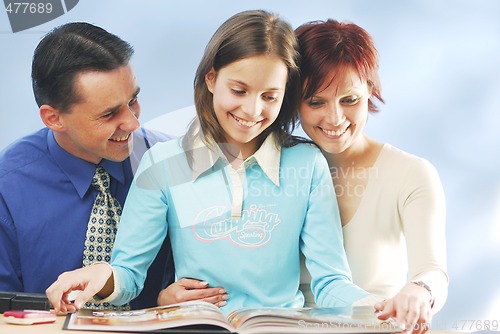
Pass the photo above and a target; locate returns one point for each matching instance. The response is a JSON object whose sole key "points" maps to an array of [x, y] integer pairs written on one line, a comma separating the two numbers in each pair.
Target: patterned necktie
{"points": [[101, 229]]}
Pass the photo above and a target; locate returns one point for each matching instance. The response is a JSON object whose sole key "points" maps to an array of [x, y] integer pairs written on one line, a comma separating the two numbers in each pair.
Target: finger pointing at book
{"points": [[95, 281]]}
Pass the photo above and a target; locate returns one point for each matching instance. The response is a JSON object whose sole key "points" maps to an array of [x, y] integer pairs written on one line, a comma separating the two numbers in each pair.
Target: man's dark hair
{"points": [[68, 50]]}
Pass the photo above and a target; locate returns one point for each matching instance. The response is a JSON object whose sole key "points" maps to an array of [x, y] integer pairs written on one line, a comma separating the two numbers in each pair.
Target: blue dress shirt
{"points": [[45, 202]]}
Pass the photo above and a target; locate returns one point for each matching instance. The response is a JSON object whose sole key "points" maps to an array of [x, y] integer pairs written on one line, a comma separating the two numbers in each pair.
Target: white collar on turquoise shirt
{"points": [[203, 157]]}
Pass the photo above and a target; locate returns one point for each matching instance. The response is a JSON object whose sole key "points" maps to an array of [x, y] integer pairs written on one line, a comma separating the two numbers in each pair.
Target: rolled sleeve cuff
{"points": [[116, 290]]}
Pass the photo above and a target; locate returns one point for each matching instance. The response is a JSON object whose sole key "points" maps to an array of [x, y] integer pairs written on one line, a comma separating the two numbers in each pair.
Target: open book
{"points": [[202, 317]]}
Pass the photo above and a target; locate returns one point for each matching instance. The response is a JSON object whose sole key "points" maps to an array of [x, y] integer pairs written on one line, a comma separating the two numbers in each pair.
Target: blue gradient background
{"points": [[440, 72]]}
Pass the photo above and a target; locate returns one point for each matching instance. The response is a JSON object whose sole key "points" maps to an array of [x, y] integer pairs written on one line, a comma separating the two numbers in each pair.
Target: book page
{"points": [[162, 317], [361, 319]]}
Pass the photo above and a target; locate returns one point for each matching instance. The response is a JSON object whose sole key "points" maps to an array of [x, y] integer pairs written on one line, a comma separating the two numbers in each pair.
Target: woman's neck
{"points": [[358, 154]]}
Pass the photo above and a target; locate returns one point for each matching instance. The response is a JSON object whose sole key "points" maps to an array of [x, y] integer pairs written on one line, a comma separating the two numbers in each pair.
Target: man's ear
{"points": [[210, 80], [51, 118]]}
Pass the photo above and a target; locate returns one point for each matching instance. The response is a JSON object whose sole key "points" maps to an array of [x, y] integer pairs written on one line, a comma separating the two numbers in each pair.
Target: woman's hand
{"points": [[187, 289], [91, 280], [411, 306]]}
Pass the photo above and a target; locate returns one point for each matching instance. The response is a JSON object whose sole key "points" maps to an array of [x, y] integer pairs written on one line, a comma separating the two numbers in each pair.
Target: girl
{"points": [[237, 195]]}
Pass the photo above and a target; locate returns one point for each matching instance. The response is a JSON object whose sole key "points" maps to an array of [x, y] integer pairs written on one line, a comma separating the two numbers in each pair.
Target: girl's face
{"points": [[247, 97], [334, 118]]}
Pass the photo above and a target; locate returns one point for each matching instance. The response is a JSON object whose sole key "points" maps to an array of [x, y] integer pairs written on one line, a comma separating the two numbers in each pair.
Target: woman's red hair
{"points": [[328, 45]]}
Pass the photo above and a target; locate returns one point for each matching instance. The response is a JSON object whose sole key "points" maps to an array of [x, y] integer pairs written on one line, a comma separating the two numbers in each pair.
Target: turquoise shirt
{"points": [[287, 204]]}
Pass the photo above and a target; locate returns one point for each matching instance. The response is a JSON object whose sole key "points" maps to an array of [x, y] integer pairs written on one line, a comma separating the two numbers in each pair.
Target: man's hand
{"points": [[187, 289]]}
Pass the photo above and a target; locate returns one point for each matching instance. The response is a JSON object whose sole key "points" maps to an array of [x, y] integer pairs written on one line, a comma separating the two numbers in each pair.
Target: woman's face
{"points": [[335, 116], [247, 97]]}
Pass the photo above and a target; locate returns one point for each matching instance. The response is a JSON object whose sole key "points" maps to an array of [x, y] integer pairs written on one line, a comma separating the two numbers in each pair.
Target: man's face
{"points": [[99, 126]]}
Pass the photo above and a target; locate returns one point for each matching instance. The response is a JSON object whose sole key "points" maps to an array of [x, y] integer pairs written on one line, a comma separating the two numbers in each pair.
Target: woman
{"points": [[391, 203]]}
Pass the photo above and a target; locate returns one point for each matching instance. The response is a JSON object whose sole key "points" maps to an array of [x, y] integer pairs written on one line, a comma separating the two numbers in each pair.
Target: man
{"points": [[88, 99]]}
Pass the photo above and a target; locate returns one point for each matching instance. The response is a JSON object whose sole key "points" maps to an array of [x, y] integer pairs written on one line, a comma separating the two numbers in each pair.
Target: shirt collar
{"points": [[268, 157], [78, 171], [204, 157]]}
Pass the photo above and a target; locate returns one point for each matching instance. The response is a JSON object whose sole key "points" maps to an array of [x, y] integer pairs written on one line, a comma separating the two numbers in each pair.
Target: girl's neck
{"points": [[236, 153], [233, 154]]}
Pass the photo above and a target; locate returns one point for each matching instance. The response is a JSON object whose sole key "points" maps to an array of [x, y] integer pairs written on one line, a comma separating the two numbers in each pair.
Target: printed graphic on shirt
{"points": [[253, 230]]}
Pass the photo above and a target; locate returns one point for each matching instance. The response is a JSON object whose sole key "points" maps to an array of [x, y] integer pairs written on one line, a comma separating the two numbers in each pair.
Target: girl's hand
{"points": [[91, 280]]}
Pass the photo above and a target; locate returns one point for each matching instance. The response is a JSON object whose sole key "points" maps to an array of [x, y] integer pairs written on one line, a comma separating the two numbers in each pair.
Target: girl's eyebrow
{"points": [[246, 85], [238, 82]]}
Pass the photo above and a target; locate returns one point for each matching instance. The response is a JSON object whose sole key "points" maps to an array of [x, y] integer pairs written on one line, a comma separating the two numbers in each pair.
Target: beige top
{"points": [[398, 231]]}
